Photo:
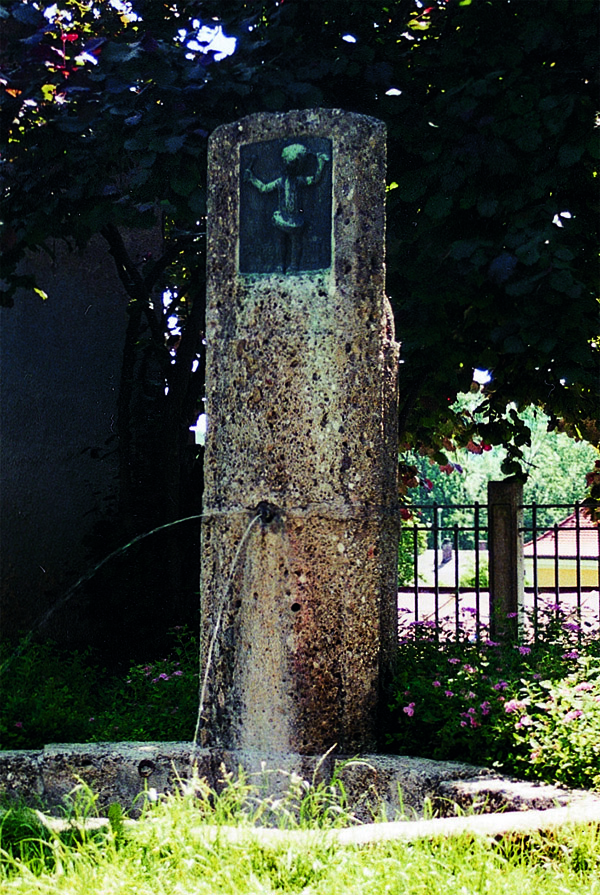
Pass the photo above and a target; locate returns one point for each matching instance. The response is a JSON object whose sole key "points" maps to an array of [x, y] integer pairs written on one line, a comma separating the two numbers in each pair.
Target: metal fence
{"points": [[444, 568]]}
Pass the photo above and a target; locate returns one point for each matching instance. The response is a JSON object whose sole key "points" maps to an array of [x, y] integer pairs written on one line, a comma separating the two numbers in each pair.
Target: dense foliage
{"points": [[490, 109], [558, 469], [52, 695], [492, 201]]}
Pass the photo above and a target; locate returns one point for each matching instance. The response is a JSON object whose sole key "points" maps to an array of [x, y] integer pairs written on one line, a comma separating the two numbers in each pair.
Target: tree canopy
{"points": [[493, 154]]}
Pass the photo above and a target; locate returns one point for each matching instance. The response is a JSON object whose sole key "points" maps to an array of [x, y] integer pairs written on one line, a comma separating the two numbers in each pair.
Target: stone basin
{"points": [[378, 787]]}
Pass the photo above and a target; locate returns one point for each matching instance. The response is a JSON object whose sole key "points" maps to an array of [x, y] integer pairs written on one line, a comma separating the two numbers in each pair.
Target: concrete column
{"points": [[505, 537], [302, 420]]}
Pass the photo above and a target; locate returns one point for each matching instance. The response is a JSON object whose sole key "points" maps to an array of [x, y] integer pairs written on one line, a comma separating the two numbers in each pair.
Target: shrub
{"points": [[46, 695], [471, 579], [411, 538], [51, 695], [532, 710]]}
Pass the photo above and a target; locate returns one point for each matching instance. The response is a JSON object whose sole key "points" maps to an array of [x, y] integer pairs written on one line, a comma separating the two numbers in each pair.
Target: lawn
{"points": [[183, 845]]}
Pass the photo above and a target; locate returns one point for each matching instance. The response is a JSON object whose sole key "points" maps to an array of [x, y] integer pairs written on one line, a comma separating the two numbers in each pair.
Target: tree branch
{"points": [[168, 256], [133, 281]]}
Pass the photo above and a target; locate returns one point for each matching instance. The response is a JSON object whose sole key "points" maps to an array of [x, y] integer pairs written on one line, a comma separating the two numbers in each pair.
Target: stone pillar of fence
{"points": [[300, 536], [506, 570]]}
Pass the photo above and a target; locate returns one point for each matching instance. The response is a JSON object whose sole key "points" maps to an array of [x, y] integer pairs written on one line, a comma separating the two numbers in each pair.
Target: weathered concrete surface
{"points": [[301, 405], [378, 786]]}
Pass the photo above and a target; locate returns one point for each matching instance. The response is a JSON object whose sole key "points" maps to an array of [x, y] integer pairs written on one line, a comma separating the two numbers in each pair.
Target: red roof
{"points": [[566, 535]]}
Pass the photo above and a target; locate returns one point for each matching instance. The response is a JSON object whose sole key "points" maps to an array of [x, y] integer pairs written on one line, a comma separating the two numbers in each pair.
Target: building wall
{"points": [[59, 366]]}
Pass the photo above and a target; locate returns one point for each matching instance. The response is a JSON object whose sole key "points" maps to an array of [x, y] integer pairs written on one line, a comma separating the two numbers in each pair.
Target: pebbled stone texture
{"points": [[301, 405]]}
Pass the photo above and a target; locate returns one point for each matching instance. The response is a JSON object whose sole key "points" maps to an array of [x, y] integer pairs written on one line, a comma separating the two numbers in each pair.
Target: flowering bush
{"points": [[528, 709], [51, 695], [556, 731], [46, 694]]}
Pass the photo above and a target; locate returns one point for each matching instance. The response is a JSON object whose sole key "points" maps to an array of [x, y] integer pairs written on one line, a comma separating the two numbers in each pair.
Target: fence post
{"points": [[505, 543]]}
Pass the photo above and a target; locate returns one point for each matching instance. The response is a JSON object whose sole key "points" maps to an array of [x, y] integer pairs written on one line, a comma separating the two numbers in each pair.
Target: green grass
{"points": [[180, 847]]}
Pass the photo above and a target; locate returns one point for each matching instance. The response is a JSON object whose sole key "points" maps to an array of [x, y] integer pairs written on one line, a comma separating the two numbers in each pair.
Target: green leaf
{"points": [[197, 202], [464, 248], [528, 253], [438, 207], [419, 25], [514, 345], [183, 186], [487, 208], [120, 52], [569, 155], [563, 254], [529, 139], [411, 188], [27, 15], [561, 280], [593, 146], [71, 125], [172, 144]]}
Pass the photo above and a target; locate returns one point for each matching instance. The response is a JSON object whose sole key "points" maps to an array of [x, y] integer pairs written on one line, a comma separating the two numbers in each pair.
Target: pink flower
{"points": [[449, 694], [485, 707], [463, 723], [572, 654], [468, 668], [513, 705], [572, 715], [19, 724], [177, 673], [501, 685], [583, 687], [524, 721], [453, 661], [436, 684], [409, 709], [524, 650]]}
